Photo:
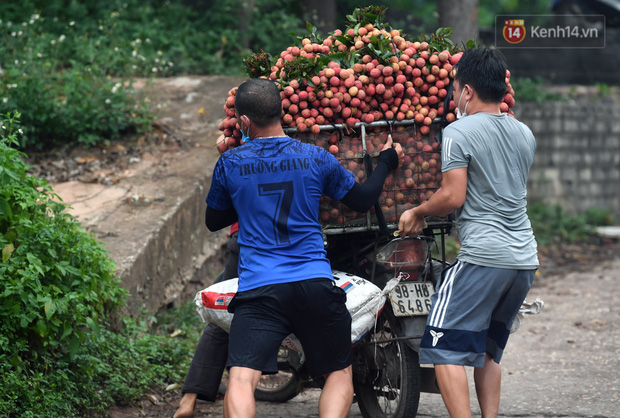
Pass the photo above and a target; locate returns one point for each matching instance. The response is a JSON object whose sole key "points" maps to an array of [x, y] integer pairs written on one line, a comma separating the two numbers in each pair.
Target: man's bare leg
{"points": [[452, 381], [337, 395], [488, 384], [187, 405], [239, 399]]}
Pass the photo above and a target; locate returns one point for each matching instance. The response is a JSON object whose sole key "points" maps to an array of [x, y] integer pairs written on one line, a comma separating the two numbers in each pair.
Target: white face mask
{"points": [[460, 115]]}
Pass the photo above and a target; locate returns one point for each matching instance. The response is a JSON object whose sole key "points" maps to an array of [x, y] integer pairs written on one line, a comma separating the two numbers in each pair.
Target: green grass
{"points": [[553, 225]]}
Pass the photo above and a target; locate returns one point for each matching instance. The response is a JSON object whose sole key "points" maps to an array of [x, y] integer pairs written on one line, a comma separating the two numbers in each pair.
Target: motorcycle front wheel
{"points": [[386, 372], [282, 386]]}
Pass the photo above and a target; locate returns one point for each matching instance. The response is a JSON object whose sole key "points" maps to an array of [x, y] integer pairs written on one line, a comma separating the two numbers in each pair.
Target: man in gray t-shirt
{"points": [[486, 158], [497, 152]]}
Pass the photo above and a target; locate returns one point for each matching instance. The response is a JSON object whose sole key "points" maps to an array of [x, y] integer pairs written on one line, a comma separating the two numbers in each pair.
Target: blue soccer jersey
{"points": [[275, 185]]}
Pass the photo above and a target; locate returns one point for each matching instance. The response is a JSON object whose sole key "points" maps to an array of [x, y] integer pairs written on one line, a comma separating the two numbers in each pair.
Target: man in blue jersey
{"points": [[486, 158], [272, 185]]}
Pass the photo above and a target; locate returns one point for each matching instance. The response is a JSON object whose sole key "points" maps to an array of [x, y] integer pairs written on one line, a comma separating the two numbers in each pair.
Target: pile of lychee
{"points": [[365, 81]]}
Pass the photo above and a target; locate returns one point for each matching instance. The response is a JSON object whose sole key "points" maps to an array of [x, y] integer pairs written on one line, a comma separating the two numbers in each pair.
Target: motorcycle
{"points": [[387, 376]]}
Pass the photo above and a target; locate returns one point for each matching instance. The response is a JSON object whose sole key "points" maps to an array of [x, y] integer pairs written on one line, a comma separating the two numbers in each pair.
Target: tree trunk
{"points": [[245, 21], [321, 13], [462, 16]]}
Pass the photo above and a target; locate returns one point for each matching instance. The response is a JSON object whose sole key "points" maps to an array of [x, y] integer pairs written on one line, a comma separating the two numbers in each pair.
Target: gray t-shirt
{"points": [[493, 226]]}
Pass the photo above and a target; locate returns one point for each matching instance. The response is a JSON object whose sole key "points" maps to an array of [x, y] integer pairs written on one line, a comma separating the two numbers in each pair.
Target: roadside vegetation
{"points": [[67, 66], [534, 90], [65, 347], [552, 225]]}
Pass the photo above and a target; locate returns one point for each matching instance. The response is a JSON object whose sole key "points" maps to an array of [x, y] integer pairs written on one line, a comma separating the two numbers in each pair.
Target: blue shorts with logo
{"points": [[314, 310], [472, 312]]}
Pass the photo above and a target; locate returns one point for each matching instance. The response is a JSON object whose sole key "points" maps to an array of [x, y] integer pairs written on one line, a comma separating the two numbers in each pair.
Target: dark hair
{"points": [[485, 70], [259, 99]]}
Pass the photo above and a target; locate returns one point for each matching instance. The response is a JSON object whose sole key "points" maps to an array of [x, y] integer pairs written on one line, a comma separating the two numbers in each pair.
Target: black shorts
{"points": [[314, 310]]}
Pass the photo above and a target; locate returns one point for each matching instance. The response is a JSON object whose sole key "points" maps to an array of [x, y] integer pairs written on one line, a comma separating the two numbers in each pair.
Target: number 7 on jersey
{"points": [[284, 193]]}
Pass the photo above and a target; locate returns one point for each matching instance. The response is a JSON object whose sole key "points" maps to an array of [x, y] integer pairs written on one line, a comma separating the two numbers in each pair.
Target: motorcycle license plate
{"points": [[412, 299]]}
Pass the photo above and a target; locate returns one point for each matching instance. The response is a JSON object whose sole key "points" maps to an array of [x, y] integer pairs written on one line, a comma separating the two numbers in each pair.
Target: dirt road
{"points": [[561, 363]]}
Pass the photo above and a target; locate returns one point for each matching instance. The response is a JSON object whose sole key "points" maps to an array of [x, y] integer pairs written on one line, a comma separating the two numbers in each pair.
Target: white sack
{"points": [[364, 302]]}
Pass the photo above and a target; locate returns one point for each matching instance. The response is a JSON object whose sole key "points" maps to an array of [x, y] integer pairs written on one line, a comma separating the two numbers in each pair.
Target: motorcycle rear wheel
{"points": [[282, 386], [386, 372]]}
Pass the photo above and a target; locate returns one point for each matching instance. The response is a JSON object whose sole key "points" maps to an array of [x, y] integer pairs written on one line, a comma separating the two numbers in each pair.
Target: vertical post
{"points": [[368, 220]]}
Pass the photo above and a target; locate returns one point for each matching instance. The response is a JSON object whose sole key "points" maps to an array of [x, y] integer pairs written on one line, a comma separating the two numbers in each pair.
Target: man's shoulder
{"points": [[231, 153], [471, 122], [466, 124], [484, 121], [457, 130], [315, 151], [297, 144], [516, 129], [520, 124], [310, 146], [281, 147]]}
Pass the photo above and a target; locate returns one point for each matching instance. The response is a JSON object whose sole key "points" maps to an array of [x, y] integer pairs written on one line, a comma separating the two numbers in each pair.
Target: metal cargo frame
{"points": [[363, 126]]}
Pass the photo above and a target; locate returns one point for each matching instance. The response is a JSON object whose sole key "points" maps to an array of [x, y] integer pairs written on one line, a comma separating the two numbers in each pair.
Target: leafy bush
{"points": [[599, 217], [70, 107], [67, 64], [147, 37], [112, 367], [59, 354], [57, 279], [552, 225], [63, 100], [533, 90]]}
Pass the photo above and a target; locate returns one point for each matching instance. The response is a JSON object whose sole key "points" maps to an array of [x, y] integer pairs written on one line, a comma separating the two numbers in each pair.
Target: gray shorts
{"points": [[472, 312]]}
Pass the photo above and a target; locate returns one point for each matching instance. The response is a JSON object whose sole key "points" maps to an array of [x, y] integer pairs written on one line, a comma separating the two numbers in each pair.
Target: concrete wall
{"points": [[577, 160]]}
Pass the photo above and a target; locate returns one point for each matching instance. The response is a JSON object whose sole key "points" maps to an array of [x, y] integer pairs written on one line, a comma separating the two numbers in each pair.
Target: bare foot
{"points": [[186, 406]]}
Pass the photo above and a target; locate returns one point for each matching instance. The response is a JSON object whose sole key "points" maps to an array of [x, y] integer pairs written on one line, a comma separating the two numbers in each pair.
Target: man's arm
{"points": [[218, 219], [361, 197], [449, 197]]}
